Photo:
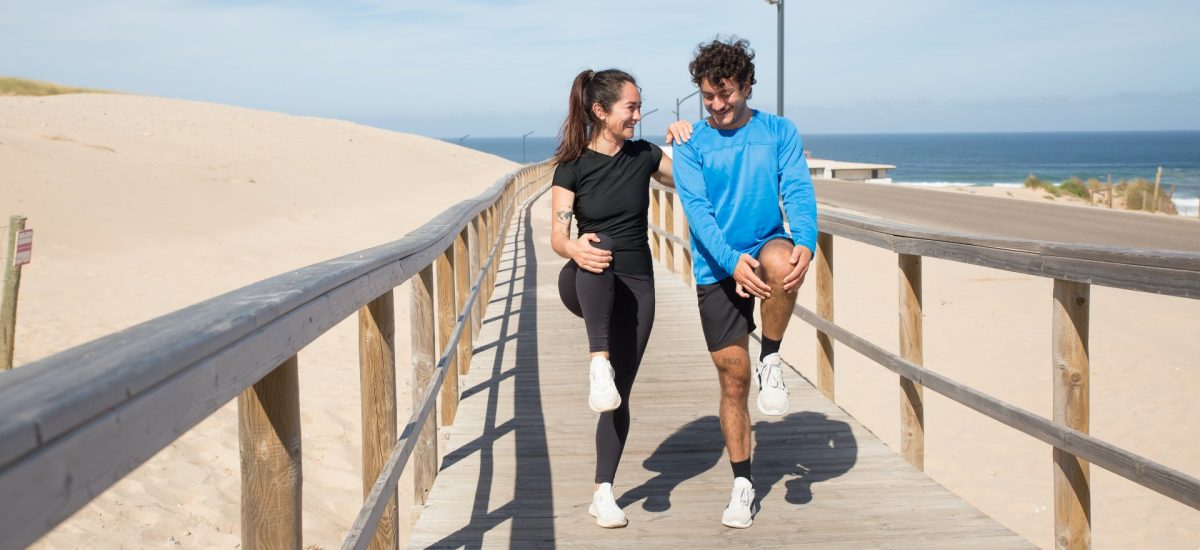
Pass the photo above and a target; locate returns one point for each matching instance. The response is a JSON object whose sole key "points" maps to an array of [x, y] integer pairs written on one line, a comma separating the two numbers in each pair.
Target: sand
{"points": [[141, 206], [145, 205]]}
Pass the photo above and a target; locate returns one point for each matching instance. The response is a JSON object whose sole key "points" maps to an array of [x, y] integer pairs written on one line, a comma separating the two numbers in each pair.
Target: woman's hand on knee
{"points": [[587, 256]]}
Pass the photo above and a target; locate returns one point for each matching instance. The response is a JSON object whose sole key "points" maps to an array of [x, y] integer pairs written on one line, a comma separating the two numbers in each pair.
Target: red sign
{"points": [[24, 247]]}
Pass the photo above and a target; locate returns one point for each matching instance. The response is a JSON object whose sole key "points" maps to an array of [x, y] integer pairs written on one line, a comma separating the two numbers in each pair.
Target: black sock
{"points": [[741, 469], [769, 346]]}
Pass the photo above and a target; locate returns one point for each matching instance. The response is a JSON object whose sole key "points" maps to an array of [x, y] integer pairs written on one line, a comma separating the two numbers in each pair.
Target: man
{"points": [[730, 173]]}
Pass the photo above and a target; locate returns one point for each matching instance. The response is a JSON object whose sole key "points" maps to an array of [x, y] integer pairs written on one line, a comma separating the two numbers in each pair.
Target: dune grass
{"points": [[19, 86]]}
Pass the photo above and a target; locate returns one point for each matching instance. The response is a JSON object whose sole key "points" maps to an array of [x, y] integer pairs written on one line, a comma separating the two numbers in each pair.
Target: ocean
{"points": [[980, 159]]}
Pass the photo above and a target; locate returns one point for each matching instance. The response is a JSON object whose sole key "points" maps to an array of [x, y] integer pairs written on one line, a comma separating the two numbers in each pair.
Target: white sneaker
{"points": [[604, 508], [603, 396], [772, 393], [739, 514]]}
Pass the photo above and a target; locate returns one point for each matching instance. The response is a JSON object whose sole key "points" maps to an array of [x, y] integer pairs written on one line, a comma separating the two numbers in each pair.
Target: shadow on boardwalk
{"points": [[804, 448], [518, 328]]}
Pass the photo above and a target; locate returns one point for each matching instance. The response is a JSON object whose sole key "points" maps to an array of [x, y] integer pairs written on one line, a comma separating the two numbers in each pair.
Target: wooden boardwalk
{"points": [[519, 461]]}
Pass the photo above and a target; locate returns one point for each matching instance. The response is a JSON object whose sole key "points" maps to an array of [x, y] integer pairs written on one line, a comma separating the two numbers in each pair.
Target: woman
{"points": [[602, 180]]}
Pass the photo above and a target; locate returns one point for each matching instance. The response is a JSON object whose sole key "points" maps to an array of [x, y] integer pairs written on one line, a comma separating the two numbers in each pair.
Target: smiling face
{"points": [[619, 121], [726, 103]]}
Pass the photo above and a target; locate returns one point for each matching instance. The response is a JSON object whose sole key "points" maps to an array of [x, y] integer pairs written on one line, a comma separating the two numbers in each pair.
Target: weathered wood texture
{"points": [[462, 287], [1072, 480], [425, 457], [912, 398], [377, 376], [8, 298], [1156, 271], [447, 309], [269, 443], [823, 268], [668, 258], [655, 216], [520, 461]]}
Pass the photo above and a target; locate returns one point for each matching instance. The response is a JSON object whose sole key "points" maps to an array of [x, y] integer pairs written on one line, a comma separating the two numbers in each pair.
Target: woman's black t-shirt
{"points": [[612, 195]]}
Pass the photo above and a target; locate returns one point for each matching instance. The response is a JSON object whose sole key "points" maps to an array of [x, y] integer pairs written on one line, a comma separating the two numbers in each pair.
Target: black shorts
{"points": [[724, 316]]}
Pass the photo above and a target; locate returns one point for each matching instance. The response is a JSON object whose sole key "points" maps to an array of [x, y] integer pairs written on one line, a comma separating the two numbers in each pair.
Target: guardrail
{"points": [[75, 423], [1074, 269]]}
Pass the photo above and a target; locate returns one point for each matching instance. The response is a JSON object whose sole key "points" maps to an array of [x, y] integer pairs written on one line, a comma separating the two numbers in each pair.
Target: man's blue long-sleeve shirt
{"points": [[730, 182]]}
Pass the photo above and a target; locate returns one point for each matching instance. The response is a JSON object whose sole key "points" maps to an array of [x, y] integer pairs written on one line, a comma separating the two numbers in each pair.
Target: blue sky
{"points": [[495, 68]]}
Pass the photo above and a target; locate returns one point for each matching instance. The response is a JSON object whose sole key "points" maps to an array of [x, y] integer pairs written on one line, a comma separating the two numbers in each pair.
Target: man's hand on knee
{"points": [[800, 259]]}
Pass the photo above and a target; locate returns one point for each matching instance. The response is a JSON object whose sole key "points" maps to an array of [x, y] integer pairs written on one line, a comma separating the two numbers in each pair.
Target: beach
{"points": [[141, 206], [144, 205]]}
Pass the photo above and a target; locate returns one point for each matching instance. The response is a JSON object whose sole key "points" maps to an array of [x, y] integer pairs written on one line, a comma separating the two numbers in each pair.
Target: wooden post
{"points": [[446, 318], [655, 238], [462, 289], [425, 455], [377, 376], [687, 250], [1110, 191], [824, 273], [269, 444], [476, 245], [12, 287], [912, 400], [1072, 480], [669, 227], [1157, 181]]}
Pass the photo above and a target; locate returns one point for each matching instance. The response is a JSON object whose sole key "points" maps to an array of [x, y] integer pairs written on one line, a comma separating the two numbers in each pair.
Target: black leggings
{"points": [[618, 310]]}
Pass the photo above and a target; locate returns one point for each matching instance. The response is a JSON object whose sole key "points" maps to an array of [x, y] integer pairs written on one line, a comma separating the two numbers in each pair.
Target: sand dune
{"points": [[144, 205]]}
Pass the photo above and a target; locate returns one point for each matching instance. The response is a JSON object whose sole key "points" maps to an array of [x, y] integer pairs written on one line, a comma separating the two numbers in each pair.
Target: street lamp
{"points": [[779, 4], [679, 101], [644, 115], [523, 145], [461, 139]]}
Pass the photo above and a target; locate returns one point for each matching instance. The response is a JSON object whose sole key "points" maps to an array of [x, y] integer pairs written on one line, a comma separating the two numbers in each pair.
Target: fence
{"points": [[73, 424], [1074, 269]]}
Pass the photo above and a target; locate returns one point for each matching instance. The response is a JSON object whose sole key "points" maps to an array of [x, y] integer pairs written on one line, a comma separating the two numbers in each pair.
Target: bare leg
{"points": [[733, 370], [776, 311]]}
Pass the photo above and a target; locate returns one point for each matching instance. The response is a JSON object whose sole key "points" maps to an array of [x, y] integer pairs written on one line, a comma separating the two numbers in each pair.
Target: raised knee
{"points": [[776, 263]]}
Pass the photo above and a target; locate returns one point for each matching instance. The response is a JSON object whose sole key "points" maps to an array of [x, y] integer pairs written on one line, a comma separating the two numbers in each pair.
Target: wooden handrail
{"points": [[1157, 271], [74, 423], [1074, 268], [368, 517]]}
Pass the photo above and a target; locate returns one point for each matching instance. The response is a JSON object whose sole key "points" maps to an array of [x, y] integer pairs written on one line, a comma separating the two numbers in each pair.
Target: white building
{"points": [[849, 171]]}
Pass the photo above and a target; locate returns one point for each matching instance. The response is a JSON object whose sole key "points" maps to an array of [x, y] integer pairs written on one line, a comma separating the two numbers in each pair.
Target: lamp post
{"points": [[779, 4], [644, 115], [461, 139], [527, 134], [679, 101]]}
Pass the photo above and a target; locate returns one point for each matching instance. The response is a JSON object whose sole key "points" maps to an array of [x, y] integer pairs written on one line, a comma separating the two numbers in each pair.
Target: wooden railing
{"points": [[1074, 269], [73, 424]]}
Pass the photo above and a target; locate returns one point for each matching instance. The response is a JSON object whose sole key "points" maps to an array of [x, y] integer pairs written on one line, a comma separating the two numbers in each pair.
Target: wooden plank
{"points": [[823, 266], [269, 443], [655, 239], [685, 231], [377, 368], [668, 258], [912, 400], [462, 287], [421, 328], [447, 318], [1072, 479]]}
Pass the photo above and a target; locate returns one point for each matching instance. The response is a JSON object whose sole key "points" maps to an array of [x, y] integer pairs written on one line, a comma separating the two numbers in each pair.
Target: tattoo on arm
{"points": [[563, 216]]}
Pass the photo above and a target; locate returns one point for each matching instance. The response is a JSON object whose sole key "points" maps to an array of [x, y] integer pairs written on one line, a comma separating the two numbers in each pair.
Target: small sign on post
{"points": [[20, 248], [24, 247]]}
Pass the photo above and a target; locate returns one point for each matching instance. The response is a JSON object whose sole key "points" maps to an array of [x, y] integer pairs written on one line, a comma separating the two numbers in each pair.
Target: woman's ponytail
{"points": [[573, 137]]}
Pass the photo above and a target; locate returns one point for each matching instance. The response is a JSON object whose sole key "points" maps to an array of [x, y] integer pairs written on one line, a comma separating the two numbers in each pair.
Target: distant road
{"points": [[1011, 218]]}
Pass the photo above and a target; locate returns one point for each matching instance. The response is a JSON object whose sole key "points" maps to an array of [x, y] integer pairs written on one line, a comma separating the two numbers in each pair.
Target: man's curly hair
{"points": [[718, 60]]}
